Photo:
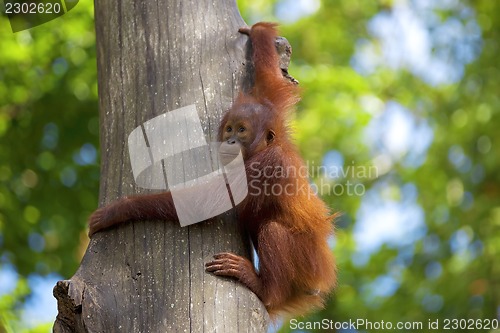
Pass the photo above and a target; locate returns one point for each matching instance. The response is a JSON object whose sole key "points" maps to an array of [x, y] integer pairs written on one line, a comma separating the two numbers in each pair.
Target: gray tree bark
{"points": [[157, 56]]}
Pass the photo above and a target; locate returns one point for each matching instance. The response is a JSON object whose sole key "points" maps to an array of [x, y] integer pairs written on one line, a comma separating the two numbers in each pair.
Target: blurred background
{"points": [[399, 125]]}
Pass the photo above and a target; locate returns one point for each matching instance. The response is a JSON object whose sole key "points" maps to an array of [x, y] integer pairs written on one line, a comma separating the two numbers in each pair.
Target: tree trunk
{"points": [[153, 57]]}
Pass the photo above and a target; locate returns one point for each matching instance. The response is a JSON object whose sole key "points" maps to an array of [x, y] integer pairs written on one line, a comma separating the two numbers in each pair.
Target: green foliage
{"points": [[457, 201], [48, 112], [49, 176], [48, 182], [9, 305]]}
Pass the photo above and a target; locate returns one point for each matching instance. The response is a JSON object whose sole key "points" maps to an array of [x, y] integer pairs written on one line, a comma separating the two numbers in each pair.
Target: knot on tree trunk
{"points": [[285, 52], [69, 305]]}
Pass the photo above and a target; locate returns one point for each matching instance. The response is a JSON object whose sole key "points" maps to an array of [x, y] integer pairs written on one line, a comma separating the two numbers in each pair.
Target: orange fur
{"points": [[289, 229]]}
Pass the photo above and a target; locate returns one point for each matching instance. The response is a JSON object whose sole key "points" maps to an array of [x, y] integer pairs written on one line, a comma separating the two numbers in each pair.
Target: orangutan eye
{"points": [[270, 136], [241, 129], [229, 129]]}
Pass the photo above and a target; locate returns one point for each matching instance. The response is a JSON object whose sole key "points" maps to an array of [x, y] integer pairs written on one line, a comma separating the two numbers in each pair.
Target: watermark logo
{"points": [[170, 152], [278, 180], [28, 14]]}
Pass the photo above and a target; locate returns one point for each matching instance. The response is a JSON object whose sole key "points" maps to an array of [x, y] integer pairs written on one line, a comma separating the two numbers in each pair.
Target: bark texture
{"points": [[156, 56]]}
